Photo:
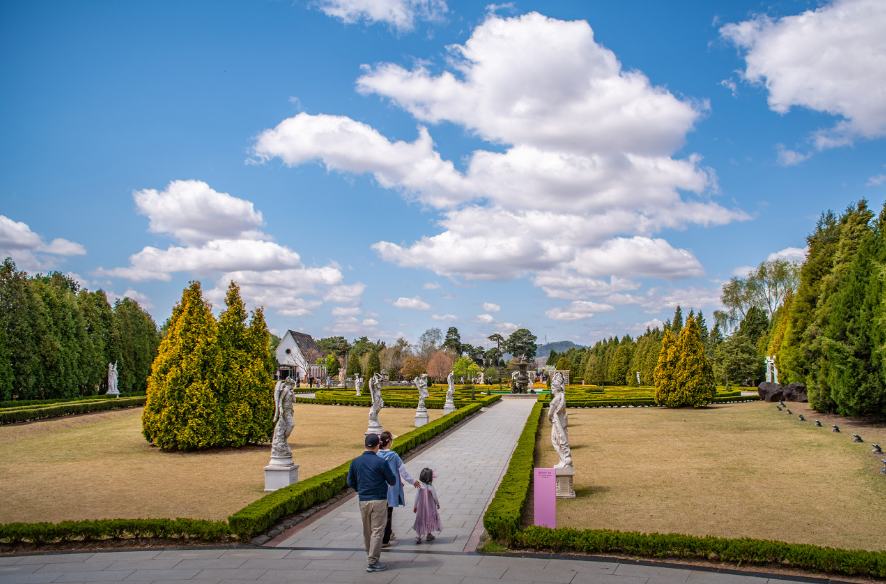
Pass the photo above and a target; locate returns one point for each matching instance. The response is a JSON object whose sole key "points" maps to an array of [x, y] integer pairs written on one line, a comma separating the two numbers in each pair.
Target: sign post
{"points": [[545, 498]]}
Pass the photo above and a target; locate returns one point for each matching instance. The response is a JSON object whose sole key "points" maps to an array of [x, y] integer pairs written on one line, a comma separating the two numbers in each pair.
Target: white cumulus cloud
{"points": [[398, 14], [491, 307], [578, 310], [29, 250], [831, 59], [444, 317], [412, 303]]}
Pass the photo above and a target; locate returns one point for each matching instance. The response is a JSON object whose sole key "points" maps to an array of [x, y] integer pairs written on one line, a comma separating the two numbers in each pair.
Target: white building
{"points": [[297, 356]]}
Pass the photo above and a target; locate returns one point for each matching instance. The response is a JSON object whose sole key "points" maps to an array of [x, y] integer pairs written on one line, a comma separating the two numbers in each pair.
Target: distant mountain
{"points": [[544, 350]]}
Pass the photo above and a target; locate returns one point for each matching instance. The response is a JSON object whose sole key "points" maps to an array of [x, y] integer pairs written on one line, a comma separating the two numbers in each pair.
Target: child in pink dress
{"points": [[426, 505]]}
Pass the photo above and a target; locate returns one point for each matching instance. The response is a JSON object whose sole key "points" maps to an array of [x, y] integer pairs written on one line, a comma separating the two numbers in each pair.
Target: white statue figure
{"points": [[341, 377], [770, 362], [112, 379], [284, 399], [482, 378], [357, 383], [377, 404], [774, 372], [421, 383], [559, 422], [638, 378], [449, 406]]}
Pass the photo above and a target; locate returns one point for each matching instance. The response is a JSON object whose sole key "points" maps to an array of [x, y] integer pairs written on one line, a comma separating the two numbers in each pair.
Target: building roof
{"points": [[306, 345]]}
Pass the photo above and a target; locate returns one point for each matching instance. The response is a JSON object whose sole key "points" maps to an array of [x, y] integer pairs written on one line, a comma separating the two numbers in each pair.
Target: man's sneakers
{"points": [[391, 543], [376, 567]]}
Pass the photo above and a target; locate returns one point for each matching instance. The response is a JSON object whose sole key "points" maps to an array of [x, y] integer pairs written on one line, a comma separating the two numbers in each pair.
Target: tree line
{"points": [[56, 338]]}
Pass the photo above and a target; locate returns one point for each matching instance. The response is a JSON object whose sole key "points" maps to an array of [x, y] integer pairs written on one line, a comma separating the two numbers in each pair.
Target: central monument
{"points": [[521, 379]]}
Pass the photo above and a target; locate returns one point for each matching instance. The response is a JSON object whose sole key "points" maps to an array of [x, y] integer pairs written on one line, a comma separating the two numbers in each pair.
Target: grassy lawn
{"points": [[731, 470], [98, 466]]}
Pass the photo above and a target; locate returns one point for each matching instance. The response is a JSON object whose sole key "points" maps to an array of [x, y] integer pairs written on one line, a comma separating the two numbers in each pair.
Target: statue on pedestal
{"points": [[449, 406], [357, 383], [112, 379], [559, 421], [377, 404], [421, 413]]}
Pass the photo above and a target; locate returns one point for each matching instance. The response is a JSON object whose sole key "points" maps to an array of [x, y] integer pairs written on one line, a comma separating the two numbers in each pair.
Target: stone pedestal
{"points": [[281, 472], [421, 417], [564, 482], [448, 407], [113, 393], [374, 428]]}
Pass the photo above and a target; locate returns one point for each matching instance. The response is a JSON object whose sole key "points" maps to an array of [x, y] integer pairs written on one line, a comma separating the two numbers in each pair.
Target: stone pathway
{"points": [[274, 565], [469, 463]]}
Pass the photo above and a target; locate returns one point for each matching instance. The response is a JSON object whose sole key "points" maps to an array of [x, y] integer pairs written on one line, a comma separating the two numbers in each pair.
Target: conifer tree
{"points": [[245, 386], [373, 366], [666, 370], [353, 364], [695, 376], [677, 326], [183, 409]]}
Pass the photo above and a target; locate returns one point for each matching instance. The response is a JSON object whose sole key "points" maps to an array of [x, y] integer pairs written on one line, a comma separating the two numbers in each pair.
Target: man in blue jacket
{"points": [[370, 475]]}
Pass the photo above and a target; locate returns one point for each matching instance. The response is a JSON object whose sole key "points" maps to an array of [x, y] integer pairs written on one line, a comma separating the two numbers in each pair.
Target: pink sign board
{"points": [[545, 510]]}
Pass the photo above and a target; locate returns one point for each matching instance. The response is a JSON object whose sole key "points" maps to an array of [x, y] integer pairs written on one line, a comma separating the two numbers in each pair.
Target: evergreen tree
{"points": [[353, 365], [695, 376], [677, 326], [105, 342], [244, 385], [373, 366], [6, 376], [453, 341], [553, 358], [183, 409], [136, 334], [332, 366], [666, 369], [593, 372]]}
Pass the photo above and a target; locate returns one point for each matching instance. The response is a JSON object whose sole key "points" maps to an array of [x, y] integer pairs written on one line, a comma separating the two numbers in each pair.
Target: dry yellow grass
{"points": [[735, 470], [99, 466]]}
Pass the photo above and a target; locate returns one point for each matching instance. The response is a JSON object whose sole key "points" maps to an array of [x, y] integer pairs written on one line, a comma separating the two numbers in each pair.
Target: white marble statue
{"points": [[559, 422], [638, 378], [357, 383], [451, 391], [774, 373], [284, 399], [770, 363], [112, 379], [482, 378], [377, 404], [421, 382]]}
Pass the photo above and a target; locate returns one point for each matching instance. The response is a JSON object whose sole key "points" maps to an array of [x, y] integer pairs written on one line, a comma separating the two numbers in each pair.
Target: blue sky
{"points": [[380, 167]]}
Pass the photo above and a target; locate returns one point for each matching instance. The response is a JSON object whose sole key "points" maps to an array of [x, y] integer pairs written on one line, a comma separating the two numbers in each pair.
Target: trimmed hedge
{"points": [[40, 533], [262, 514], [505, 513], [24, 403], [506, 509], [637, 402], [365, 401], [12, 416]]}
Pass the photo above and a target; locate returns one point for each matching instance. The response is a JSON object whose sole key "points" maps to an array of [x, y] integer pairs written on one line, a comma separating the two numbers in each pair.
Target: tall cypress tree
{"points": [[666, 369], [245, 386], [695, 376], [182, 409]]}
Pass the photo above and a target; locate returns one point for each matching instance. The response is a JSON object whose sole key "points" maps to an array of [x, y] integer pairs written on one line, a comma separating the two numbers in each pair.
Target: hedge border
{"points": [[433, 404], [263, 513], [505, 513], [26, 403], [41, 533], [639, 402], [10, 417]]}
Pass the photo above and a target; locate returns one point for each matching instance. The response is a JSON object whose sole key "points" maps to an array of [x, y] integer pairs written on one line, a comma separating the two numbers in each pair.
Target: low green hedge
{"points": [[65, 409], [506, 509], [366, 401], [260, 515], [40, 533], [24, 403], [505, 513], [638, 402]]}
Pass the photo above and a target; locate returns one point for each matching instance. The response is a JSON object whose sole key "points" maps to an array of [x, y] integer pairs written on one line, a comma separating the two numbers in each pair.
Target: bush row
{"points": [[433, 404], [9, 417], [504, 515], [22, 403], [505, 512], [637, 402], [40, 533], [262, 514]]}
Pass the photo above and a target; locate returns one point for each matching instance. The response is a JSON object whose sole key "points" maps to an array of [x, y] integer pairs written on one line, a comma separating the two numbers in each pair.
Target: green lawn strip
{"points": [[262, 514], [66, 409], [505, 513], [252, 519]]}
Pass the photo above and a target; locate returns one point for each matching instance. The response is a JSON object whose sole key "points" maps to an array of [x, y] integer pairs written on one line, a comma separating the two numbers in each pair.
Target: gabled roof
{"points": [[306, 345]]}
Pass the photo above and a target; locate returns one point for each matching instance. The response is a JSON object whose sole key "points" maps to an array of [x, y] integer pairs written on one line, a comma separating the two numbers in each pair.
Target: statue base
{"points": [[421, 417], [565, 489], [279, 476], [448, 408], [113, 394], [373, 428]]}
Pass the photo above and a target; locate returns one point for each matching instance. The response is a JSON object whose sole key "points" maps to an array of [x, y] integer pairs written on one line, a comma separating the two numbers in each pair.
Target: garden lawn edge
{"points": [[66, 409], [504, 515]]}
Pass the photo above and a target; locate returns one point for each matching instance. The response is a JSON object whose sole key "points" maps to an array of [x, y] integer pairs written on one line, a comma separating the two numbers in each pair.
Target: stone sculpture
{"points": [[357, 383], [560, 438], [377, 404], [282, 471], [421, 413], [112, 379], [449, 406]]}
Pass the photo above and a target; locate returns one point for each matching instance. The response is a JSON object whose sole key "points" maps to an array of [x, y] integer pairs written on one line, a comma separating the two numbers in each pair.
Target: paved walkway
{"points": [[270, 565], [469, 463]]}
